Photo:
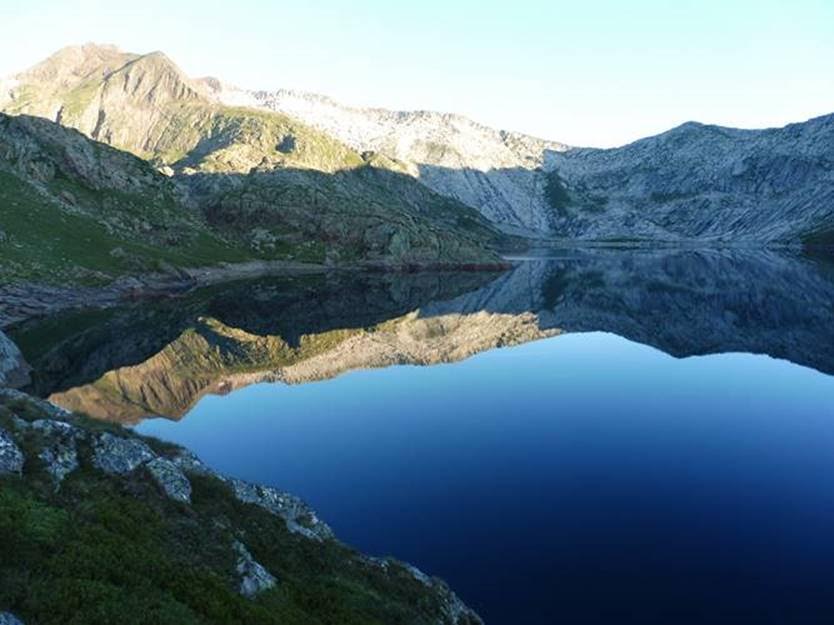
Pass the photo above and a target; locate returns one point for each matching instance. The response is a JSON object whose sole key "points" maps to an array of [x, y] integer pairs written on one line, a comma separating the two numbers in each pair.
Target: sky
{"points": [[585, 72]]}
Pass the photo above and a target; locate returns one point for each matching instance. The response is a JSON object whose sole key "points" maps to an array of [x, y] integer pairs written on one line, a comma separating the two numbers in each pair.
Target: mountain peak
{"points": [[73, 64]]}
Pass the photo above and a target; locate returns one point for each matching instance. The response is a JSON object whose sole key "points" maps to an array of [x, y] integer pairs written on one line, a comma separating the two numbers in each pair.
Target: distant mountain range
{"points": [[230, 174]]}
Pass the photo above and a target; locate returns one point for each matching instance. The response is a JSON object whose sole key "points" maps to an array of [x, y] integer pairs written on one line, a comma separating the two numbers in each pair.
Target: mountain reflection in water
{"points": [[158, 359]]}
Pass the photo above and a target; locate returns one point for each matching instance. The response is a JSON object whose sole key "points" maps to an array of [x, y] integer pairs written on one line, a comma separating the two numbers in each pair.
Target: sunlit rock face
{"points": [[160, 360]]}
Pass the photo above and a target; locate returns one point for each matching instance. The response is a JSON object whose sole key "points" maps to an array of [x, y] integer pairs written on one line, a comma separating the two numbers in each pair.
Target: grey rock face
{"points": [[300, 518], [119, 456], [14, 371], [7, 618], [703, 182], [171, 479], [11, 458], [254, 578], [61, 454], [496, 171]]}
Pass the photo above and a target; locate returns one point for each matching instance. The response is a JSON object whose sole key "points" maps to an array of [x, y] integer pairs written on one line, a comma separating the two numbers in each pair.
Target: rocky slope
{"points": [[695, 182], [704, 183], [100, 525], [260, 182], [496, 171], [76, 211]]}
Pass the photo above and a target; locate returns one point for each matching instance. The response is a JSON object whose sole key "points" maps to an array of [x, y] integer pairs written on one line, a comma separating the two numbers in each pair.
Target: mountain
{"points": [[700, 182], [695, 182], [247, 184], [78, 211], [281, 168], [496, 171]]}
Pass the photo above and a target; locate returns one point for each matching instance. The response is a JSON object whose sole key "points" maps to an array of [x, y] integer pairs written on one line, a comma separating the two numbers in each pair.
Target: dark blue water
{"points": [[583, 478]]}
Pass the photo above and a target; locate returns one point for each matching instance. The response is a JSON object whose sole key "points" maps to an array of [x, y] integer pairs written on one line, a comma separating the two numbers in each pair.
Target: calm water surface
{"points": [[617, 437]]}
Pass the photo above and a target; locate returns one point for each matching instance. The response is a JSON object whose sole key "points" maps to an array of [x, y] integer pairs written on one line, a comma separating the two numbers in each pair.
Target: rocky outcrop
{"points": [[454, 610], [7, 618], [118, 455], [14, 371], [170, 479], [300, 518], [254, 578], [11, 457]]}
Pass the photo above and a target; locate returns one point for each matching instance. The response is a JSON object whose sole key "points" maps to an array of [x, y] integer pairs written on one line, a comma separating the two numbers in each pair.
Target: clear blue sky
{"points": [[584, 72]]}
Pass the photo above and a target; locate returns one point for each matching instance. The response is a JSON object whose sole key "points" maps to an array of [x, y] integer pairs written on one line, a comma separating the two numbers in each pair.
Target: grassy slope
{"points": [[44, 242], [105, 550]]}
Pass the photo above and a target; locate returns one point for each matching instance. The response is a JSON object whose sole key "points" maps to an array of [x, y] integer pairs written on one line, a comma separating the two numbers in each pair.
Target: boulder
{"points": [[14, 371], [254, 578], [118, 456], [170, 479], [11, 458]]}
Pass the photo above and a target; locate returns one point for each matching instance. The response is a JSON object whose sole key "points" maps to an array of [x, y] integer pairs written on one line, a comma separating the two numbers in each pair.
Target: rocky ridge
{"points": [[695, 182], [704, 183], [496, 171]]}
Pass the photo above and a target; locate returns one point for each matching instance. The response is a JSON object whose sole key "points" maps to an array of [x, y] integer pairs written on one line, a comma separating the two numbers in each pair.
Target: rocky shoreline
{"points": [[22, 301], [41, 443]]}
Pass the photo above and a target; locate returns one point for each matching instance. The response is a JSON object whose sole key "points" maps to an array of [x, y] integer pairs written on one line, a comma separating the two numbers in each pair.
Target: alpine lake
{"points": [[594, 436]]}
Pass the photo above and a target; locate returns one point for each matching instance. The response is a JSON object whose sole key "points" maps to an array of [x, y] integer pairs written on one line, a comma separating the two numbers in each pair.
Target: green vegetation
{"points": [[108, 549], [42, 242]]}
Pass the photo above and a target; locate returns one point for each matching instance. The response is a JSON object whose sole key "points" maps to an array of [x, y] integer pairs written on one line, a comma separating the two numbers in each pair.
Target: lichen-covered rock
{"points": [[7, 618], [117, 456], [188, 462], [170, 479], [60, 455], [254, 578], [300, 518], [11, 458], [14, 371]]}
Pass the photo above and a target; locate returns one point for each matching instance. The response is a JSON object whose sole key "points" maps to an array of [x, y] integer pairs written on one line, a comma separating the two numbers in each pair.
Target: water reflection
{"points": [[159, 358]]}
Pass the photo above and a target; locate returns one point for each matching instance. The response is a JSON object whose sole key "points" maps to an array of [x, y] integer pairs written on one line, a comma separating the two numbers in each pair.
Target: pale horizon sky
{"points": [[595, 73]]}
